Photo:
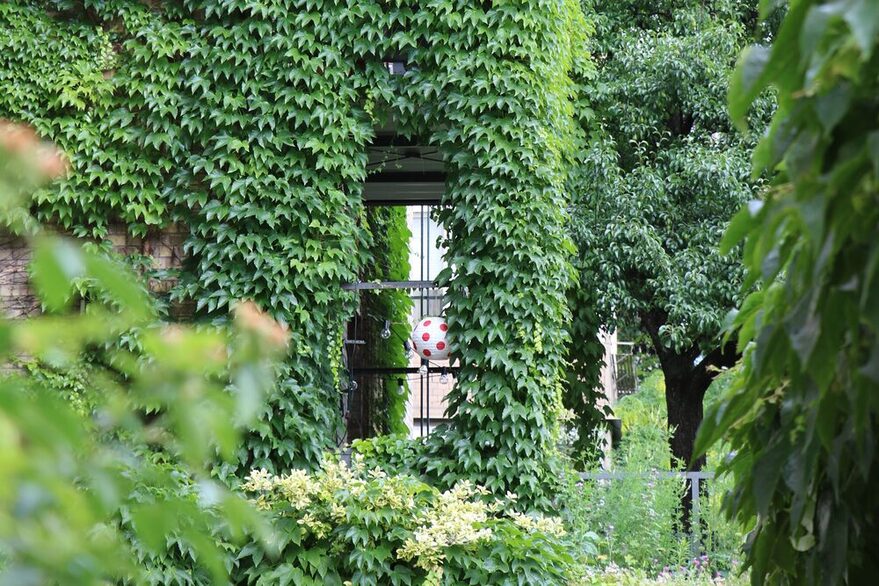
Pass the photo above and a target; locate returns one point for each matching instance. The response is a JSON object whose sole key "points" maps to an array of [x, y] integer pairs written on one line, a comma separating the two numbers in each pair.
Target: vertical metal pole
{"points": [[421, 306], [428, 295], [695, 517]]}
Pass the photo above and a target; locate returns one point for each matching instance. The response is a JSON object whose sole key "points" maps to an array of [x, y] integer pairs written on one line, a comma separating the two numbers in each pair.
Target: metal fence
{"points": [[623, 368], [696, 480]]}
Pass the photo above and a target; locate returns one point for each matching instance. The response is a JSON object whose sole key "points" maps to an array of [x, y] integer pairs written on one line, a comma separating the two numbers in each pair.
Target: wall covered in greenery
{"points": [[248, 121], [502, 112], [214, 115]]}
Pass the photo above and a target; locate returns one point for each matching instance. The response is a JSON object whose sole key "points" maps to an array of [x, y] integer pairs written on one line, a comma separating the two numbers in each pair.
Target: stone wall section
{"points": [[165, 247], [16, 297]]}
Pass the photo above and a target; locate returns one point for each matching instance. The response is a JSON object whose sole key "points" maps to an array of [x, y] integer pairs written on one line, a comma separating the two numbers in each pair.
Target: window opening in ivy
{"points": [[405, 184], [380, 359]]}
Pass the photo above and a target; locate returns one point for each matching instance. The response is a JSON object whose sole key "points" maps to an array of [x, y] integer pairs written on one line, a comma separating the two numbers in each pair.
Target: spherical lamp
{"points": [[429, 338]]}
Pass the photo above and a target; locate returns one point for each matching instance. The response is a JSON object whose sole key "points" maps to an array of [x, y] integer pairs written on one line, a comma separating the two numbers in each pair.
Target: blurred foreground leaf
{"points": [[91, 484]]}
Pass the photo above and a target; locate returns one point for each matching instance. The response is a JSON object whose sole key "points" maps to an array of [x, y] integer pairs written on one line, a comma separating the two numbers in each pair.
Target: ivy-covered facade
{"points": [[249, 123]]}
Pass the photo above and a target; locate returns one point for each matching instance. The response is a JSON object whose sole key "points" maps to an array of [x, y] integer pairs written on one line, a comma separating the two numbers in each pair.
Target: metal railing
{"points": [[623, 368]]}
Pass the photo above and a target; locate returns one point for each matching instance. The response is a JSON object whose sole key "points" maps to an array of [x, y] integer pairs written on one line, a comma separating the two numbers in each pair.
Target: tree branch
{"points": [[721, 357]]}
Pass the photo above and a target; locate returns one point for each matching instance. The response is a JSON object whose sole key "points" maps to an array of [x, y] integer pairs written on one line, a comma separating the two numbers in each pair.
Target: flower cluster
{"points": [[296, 488], [534, 522], [455, 519], [340, 501]]}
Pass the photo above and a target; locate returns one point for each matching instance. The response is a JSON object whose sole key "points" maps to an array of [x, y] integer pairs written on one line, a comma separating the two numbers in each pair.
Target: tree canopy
{"points": [[662, 178]]}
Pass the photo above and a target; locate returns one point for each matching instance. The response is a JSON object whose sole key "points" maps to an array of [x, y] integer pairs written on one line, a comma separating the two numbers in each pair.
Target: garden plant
{"points": [[803, 414], [607, 165]]}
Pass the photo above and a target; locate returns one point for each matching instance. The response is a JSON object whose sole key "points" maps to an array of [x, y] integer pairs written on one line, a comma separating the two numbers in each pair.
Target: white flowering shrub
{"points": [[354, 525]]}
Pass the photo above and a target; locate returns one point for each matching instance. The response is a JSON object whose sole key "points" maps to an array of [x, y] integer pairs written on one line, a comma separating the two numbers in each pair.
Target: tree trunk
{"points": [[684, 394], [683, 399], [688, 374]]}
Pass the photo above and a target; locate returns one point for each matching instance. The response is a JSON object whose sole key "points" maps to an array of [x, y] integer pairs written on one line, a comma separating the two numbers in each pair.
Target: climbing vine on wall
{"points": [[502, 104], [585, 353], [248, 122], [245, 122]]}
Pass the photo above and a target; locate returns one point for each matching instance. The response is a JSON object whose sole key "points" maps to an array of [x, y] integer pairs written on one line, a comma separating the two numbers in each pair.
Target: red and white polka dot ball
{"points": [[429, 338]]}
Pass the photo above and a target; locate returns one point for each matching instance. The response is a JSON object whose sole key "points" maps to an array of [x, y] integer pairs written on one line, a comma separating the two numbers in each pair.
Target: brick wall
{"points": [[16, 297], [164, 246]]}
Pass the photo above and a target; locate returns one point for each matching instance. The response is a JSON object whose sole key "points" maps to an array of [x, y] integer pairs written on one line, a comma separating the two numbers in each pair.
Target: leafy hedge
{"points": [[354, 525]]}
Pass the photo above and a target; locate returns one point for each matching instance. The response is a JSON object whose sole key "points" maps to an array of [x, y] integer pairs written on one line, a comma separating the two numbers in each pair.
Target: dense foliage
{"points": [[213, 123], [803, 415], [508, 155], [104, 468], [354, 525], [583, 389], [249, 123], [122, 456], [663, 176], [636, 515]]}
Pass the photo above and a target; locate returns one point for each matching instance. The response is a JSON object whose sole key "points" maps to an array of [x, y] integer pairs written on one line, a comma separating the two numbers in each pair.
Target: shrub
{"points": [[517, 553], [637, 518], [645, 427], [355, 525], [395, 454], [693, 576]]}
